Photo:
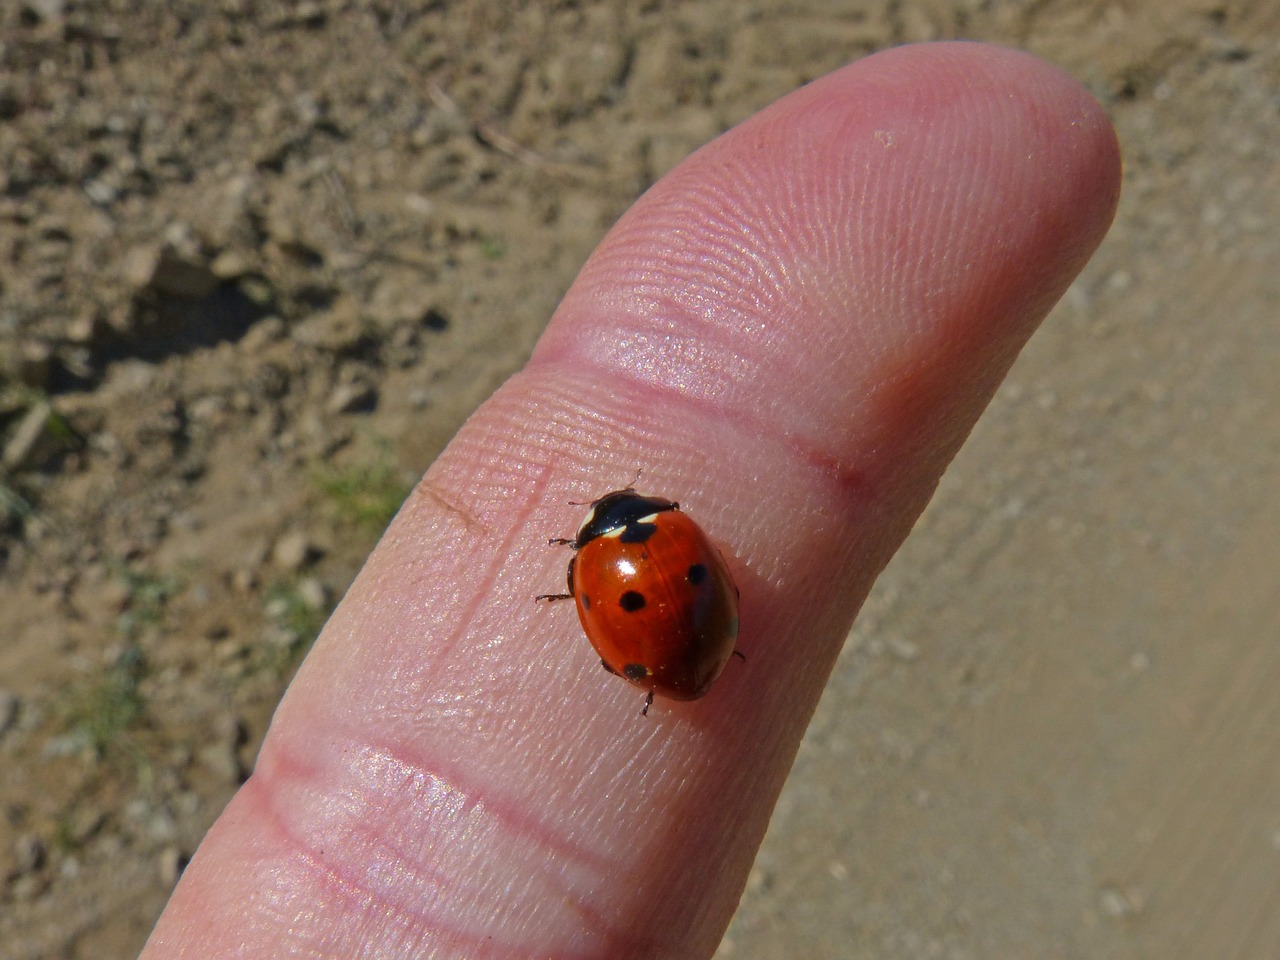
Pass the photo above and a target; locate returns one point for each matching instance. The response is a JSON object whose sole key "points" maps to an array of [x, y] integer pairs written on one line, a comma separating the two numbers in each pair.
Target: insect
{"points": [[654, 595]]}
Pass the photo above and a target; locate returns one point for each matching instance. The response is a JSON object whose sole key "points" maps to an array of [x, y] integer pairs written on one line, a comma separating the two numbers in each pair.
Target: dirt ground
{"points": [[258, 261]]}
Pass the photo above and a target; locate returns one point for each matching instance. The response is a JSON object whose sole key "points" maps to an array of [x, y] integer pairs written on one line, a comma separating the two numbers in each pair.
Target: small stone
{"points": [[337, 330], [87, 328], [179, 757], [262, 334], [28, 887], [352, 398], [1117, 902], [45, 10], [220, 759], [227, 219], [244, 580], [9, 703], [33, 442], [402, 297], [33, 364], [293, 551], [312, 593], [165, 270], [114, 595], [84, 824], [230, 650], [170, 864], [230, 265], [139, 266], [65, 745], [162, 826], [903, 649], [101, 192], [257, 290], [28, 854], [227, 726], [207, 408]]}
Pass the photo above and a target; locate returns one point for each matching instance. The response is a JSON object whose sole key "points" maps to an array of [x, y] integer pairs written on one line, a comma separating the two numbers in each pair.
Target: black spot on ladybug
{"points": [[635, 671], [586, 602], [631, 601], [637, 532], [697, 573]]}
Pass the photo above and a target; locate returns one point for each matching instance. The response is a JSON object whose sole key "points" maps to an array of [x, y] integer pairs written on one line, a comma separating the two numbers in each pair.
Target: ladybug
{"points": [[654, 595]]}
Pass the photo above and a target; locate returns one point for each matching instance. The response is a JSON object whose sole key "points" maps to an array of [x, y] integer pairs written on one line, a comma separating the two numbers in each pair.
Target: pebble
{"points": [[87, 328], [114, 595], [222, 755], [170, 864], [312, 593], [230, 265], [293, 551], [45, 10], [244, 579], [163, 269], [33, 442], [222, 760], [352, 398], [28, 854], [336, 330], [9, 703], [84, 824], [227, 220], [33, 364], [262, 334], [27, 887]]}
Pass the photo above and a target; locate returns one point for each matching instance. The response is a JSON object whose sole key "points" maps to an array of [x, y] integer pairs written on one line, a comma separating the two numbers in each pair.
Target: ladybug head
{"points": [[624, 514]]}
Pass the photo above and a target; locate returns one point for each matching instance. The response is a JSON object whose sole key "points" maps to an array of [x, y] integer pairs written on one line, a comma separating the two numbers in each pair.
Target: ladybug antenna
{"points": [[629, 488]]}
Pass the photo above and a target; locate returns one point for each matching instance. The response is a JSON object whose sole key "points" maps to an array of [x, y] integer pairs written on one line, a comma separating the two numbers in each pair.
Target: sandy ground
{"points": [[251, 284]]}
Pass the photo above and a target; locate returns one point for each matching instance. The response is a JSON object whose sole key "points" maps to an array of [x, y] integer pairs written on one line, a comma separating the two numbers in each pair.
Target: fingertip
{"points": [[896, 228]]}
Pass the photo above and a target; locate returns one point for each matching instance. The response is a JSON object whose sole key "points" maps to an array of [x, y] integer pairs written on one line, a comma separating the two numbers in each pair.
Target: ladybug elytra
{"points": [[654, 595]]}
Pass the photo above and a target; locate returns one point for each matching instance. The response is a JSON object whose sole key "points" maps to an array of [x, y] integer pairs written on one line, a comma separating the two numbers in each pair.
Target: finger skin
{"points": [[791, 334]]}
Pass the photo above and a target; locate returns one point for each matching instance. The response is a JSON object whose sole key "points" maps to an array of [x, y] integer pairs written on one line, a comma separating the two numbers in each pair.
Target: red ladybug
{"points": [[654, 595]]}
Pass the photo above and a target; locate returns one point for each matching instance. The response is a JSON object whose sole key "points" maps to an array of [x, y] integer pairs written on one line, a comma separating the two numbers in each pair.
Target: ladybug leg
{"points": [[561, 540], [553, 597], [740, 655], [648, 702], [609, 668]]}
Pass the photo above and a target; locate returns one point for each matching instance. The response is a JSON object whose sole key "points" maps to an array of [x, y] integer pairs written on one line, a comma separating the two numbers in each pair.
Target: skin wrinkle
{"points": [[697, 363], [840, 479], [258, 794], [612, 410], [385, 772], [425, 488]]}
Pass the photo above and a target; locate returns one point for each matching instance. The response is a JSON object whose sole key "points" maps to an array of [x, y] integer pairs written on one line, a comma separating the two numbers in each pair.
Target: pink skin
{"points": [[791, 334]]}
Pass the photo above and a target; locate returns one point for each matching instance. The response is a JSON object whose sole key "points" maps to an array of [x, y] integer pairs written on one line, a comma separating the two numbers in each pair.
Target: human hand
{"points": [[791, 334]]}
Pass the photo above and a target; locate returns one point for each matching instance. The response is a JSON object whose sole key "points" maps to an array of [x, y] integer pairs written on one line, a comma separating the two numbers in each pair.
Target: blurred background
{"points": [[259, 260]]}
